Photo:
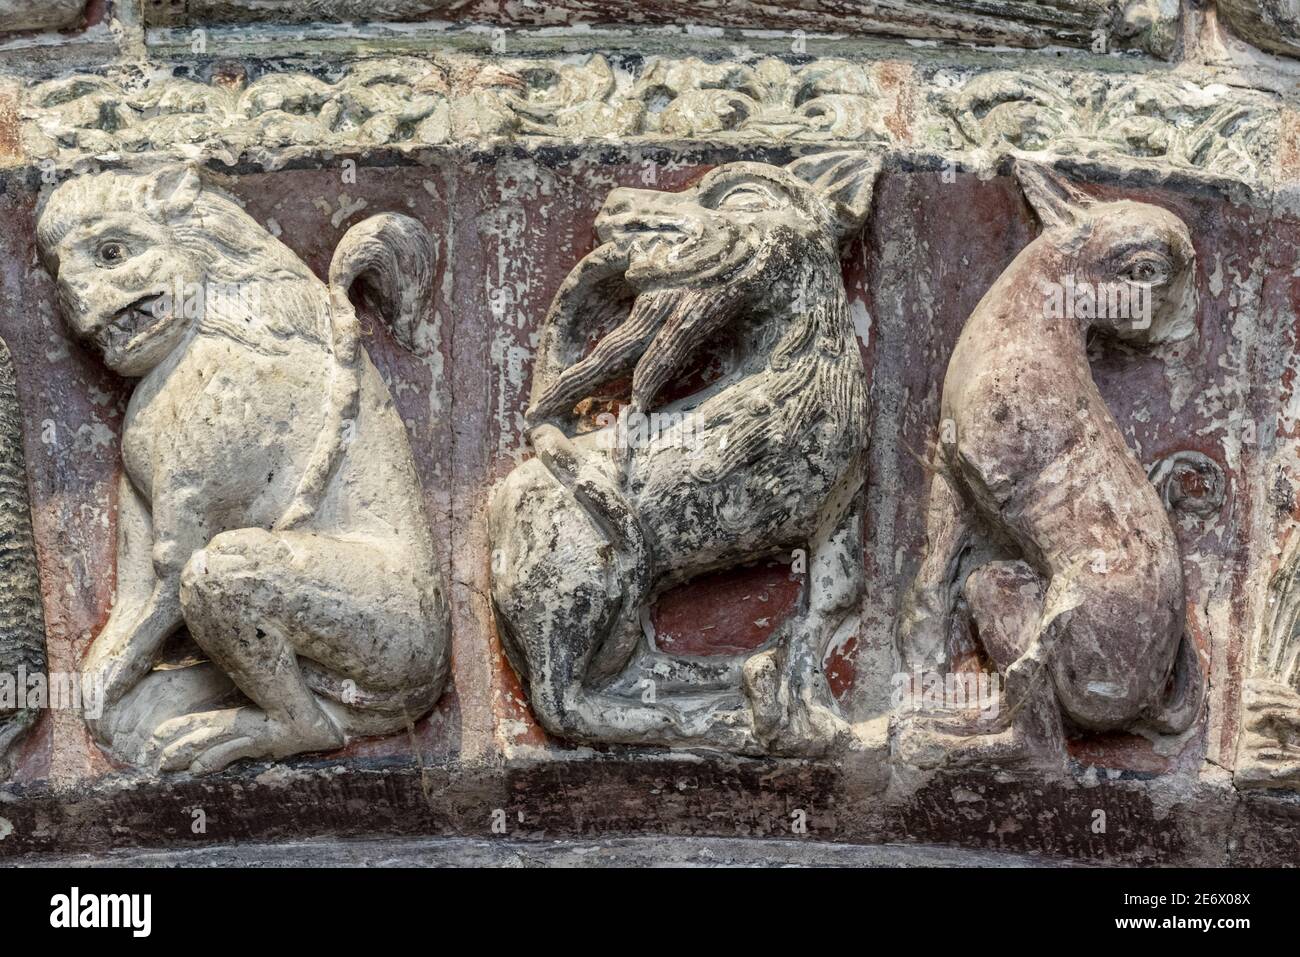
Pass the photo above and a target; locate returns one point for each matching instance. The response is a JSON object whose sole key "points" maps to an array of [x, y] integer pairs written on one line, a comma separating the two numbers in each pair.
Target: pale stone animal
{"points": [[766, 460], [269, 501], [1042, 527]]}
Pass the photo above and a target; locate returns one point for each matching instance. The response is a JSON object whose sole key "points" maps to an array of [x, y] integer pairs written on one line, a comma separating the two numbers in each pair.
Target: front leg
{"points": [[794, 710], [146, 608], [923, 618]]}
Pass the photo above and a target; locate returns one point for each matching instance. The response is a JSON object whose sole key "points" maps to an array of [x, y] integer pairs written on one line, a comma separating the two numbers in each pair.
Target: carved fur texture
{"points": [[270, 501], [767, 459]]}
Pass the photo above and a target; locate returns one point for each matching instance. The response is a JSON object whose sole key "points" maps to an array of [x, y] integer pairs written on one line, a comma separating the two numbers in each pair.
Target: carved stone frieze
{"points": [[408, 101], [269, 502], [1149, 25], [767, 460], [458, 98], [1045, 541], [1155, 118], [22, 619]]}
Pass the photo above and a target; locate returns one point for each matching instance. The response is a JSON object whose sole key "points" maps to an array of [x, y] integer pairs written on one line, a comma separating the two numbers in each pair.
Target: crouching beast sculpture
{"points": [[270, 501], [768, 459], [1044, 537]]}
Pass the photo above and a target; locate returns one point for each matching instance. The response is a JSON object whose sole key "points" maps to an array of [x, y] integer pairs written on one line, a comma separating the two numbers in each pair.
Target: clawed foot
{"points": [[791, 716], [127, 726], [1270, 751], [929, 740], [208, 741]]}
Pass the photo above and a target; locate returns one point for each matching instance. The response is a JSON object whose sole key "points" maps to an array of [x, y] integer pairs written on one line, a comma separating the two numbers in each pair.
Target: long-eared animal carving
{"points": [[270, 500], [22, 620], [765, 460], [1044, 536]]}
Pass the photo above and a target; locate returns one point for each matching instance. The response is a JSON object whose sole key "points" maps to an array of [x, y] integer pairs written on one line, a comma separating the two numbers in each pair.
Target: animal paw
{"points": [[210, 740]]}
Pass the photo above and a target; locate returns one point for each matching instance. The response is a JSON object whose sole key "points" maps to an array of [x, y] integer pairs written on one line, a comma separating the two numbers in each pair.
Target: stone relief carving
{"points": [[1268, 754], [412, 101], [824, 100], [377, 102], [767, 459], [1145, 24], [1189, 481], [1047, 548], [1272, 25], [1158, 118], [22, 619], [454, 98], [269, 502], [39, 14]]}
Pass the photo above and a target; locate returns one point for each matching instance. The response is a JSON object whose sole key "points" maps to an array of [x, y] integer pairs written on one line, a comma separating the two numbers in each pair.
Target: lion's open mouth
{"points": [[133, 325]]}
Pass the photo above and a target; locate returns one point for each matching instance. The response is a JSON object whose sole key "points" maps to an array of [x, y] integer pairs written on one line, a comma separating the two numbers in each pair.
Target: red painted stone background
{"points": [[509, 227]]}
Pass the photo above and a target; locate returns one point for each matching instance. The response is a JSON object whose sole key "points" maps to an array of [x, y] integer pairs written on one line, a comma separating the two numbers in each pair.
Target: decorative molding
{"points": [[270, 502], [1153, 118], [1148, 25], [459, 98], [22, 617], [767, 461], [416, 102]]}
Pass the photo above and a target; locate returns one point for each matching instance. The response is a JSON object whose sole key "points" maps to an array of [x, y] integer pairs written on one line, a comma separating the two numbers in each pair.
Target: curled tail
{"points": [[393, 256], [1182, 705]]}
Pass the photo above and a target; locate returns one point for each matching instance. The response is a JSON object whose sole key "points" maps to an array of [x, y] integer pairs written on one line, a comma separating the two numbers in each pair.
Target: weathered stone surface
{"points": [[766, 461], [1272, 25], [1044, 536], [22, 621], [1150, 25], [269, 503], [470, 167], [39, 14]]}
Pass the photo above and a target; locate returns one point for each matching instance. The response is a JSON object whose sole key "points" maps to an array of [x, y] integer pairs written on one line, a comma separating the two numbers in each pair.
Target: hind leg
{"points": [[272, 610], [561, 592], [1005, 601], [794, 708]]}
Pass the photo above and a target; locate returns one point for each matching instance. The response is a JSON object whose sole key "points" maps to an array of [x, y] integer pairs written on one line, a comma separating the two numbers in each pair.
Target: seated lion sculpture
{"points": [[269, 501], [769, 459]]}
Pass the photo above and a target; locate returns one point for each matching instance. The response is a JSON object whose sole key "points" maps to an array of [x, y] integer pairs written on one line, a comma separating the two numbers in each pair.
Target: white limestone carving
{"points": [[270, 502]]}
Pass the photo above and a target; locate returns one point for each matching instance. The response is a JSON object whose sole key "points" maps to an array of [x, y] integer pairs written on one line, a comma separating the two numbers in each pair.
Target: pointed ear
{"points": [[1055, 200], [846, 181], [173, 189]]}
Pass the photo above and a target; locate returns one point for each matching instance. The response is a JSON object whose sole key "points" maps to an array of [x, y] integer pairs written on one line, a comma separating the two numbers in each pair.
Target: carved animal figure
{"points": [[1268, 754], [22, 619], [1042, 529], [767, 459], [270, 500]]}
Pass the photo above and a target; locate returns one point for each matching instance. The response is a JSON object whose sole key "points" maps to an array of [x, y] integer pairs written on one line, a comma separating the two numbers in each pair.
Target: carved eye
{"points": [[111, 253], [1148, 270], [745, 198]]}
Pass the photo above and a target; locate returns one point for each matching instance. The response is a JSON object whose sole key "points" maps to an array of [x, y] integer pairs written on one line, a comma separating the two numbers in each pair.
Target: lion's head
{"points": [[746, 237], [125, 248]]}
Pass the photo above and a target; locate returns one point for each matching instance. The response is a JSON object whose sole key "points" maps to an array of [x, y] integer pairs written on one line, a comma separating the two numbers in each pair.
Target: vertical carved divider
{"points": [[22, 620]]}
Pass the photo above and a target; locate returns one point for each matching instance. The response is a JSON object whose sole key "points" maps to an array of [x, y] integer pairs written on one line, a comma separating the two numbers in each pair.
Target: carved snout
{"points": [[628, 213]]}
